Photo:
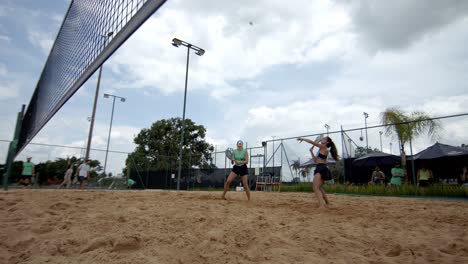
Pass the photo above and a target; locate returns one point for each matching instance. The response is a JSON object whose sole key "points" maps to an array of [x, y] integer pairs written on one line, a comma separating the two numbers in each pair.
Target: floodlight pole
{"points": [[93, 114], [380, 133], [199, 51], [366, 115], [110, 126]]}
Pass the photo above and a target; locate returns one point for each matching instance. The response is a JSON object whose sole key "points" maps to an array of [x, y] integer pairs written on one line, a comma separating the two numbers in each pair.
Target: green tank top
{"points": [[424, 175], [239, 155], [27, 168]]}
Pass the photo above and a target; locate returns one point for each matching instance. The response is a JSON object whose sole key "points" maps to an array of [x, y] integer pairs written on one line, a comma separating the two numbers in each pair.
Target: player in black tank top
{"points": [[321, 173]]}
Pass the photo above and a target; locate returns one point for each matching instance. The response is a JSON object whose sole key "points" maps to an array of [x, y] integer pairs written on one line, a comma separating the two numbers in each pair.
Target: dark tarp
{"points": [[439, 150], [376, 159], [311, 163]]}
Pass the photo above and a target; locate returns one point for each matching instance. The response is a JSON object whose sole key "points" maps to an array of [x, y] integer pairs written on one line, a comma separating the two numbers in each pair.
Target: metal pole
{"points": [[216, 146], [343, 144], [367, 141], [380, 133], [183, 122], [108, 138], [12, 149], [412, 160], [390, 147], [274, 151], [93, 114]]}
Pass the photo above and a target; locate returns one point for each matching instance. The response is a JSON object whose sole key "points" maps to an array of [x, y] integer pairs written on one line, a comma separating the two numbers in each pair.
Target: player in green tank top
{"points": [[27, 173], [241, 158]]}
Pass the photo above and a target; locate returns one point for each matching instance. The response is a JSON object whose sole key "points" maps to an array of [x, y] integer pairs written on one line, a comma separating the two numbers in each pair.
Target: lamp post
{"points": [[380, 133], [327, 127], [273, 172], [199, 51], [366, 115], [110, 126], [91, 126]]}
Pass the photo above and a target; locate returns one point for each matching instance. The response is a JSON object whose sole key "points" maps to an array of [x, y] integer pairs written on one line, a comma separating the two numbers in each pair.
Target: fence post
{"points": [[12, 149]]}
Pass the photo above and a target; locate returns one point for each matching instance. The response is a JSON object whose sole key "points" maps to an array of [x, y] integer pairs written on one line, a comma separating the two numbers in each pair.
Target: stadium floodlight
{"points": [[110, 126], [176, 42], [199, 51]]}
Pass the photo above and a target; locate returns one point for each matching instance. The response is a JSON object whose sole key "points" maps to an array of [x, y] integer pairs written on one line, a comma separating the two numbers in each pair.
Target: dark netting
{"points": [[82, 45]]}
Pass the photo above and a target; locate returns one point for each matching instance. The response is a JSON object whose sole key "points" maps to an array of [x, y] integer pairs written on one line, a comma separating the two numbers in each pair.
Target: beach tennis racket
{"points": [[318, 138], [229, 153]]}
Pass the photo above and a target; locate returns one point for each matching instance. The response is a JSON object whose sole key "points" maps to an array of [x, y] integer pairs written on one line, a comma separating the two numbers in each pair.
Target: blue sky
{"points": [[290, 71]]}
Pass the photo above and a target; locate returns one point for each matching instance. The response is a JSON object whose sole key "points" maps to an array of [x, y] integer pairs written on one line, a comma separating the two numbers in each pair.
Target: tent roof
{"points": [[376, 154], [311, 163], [439, 150], [376, 159]]}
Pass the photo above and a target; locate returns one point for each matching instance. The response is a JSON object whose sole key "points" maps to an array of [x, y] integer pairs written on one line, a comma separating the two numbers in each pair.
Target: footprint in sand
{"points": [[394, 252], [455, 249], [96, 244], [60, 206], [43, 229], [127, 243]]}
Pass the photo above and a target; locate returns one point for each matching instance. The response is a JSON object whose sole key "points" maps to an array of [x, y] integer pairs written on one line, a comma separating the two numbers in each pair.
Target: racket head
{"points": [[318, 138], [229, 153]]}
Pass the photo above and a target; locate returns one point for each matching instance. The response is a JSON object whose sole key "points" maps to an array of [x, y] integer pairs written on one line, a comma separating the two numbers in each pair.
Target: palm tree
{"points": [[408, 126], [296, 166], [305, 172]]}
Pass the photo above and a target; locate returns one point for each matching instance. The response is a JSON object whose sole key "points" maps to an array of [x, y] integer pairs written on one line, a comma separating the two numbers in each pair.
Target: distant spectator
{"points": [[130, 183], [84, 172], [378, 177], [28, 172], [67, 178], [424, 176], [397, 175], [463, 176]]}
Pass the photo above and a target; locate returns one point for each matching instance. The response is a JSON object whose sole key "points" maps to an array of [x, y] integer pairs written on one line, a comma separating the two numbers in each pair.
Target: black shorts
{"points": [[324, 172], [423, 183], [23, 177], [240, 170]]}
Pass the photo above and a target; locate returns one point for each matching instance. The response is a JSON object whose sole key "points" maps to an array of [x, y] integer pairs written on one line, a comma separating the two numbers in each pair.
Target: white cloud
{"points": [[5, 38], [41, 40], [235, 50], [8, 88], [400, 23]]}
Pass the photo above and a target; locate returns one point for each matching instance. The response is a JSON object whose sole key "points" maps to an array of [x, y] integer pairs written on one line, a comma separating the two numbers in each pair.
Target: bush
{"points": [[441, 190]]}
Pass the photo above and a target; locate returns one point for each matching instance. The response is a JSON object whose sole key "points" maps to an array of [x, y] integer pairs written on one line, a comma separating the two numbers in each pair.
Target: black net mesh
{"points": [[83, 43]]}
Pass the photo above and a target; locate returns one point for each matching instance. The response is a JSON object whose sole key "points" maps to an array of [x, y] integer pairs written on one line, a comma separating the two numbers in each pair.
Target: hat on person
{"points": [[239, 142]]}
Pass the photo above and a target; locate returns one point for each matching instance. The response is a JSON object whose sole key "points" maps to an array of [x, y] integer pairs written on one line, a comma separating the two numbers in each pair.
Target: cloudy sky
{"points": [[270, 70]]}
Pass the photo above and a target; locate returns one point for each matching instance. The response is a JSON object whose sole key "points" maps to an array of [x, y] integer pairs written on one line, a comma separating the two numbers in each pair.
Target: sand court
{"points": [[69, 226]]}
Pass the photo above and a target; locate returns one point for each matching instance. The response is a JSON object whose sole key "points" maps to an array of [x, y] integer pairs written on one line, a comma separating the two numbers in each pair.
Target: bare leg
{"points": [[246, 186], [318, 193], [231, 177], [324, 195]]}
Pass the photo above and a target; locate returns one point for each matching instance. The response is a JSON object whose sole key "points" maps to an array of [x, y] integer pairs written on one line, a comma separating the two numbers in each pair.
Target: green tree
{"points": [[295, 166], [414, 125], [337, 170], [56, 169], [362, 151], [158, 146]]}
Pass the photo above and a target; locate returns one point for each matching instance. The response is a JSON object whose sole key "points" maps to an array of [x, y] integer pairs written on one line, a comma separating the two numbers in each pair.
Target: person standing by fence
{"points": [[28, 173]]}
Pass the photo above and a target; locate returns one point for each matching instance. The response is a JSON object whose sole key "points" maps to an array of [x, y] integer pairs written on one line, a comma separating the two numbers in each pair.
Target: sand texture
{"points": [[70, 226]]}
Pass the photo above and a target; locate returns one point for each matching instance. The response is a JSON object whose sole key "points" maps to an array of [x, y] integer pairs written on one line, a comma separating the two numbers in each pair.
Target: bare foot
{"points": [[224, 198]]}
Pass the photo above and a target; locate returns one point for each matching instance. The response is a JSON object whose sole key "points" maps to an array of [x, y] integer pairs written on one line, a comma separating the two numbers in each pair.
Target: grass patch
{"points": [[440, 190]]}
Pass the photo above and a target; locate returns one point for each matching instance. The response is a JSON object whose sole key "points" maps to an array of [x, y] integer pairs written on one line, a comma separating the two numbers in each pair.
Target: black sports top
{"points": [[321, 156]]}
